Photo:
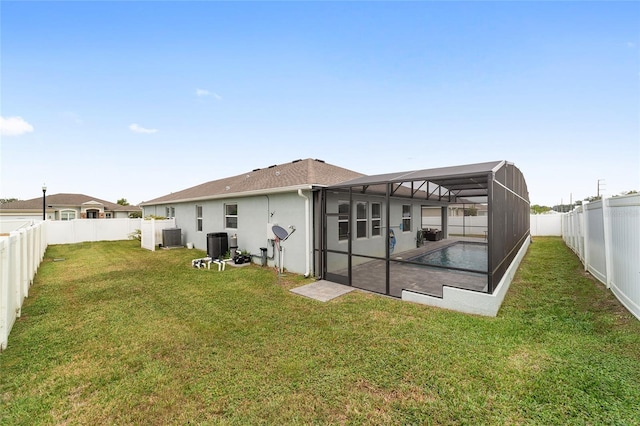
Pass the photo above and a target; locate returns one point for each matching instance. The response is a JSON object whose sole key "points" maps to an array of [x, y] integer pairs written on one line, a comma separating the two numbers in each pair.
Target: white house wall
{"points": [[254, 213]]}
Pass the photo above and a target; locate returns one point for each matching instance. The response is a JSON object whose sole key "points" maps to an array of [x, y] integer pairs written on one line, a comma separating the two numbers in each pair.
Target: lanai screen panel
{"points": [[508, 220], [500, 184]]}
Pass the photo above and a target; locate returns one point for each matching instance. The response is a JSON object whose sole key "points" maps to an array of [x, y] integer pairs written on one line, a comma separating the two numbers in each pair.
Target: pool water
{"points": [[463, 255]]}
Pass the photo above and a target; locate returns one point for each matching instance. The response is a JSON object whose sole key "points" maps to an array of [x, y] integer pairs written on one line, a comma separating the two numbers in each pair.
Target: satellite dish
{"points": [[280, 232]]}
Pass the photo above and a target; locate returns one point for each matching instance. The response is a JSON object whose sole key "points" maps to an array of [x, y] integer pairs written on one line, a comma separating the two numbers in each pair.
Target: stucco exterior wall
{"points": [[254, 215]]}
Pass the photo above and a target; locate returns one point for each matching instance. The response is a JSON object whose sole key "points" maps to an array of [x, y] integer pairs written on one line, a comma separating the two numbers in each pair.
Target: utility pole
{"points": [[600, 185]]}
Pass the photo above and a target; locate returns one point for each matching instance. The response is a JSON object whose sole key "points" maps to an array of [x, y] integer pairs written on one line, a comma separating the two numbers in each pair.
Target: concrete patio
{"points": [[322, 290]]}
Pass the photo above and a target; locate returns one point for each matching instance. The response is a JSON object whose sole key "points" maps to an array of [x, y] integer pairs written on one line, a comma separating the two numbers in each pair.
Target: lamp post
{"points": [[44, 201]]}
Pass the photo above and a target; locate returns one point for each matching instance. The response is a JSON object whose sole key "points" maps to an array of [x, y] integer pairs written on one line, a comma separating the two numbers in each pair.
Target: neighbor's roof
{"points": [[296, 174], [64, 200]]}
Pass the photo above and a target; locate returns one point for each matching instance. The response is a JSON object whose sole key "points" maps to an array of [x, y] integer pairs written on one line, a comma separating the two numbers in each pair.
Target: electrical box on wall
{"points": [[270, 234]]}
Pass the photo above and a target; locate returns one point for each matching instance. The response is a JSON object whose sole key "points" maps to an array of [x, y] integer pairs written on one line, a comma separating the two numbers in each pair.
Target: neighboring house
{"points": [[65, 207], [248, 205]]}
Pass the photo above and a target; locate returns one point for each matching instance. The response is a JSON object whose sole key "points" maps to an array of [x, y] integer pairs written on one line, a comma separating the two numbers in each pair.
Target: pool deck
{"points": [[424, 279]]}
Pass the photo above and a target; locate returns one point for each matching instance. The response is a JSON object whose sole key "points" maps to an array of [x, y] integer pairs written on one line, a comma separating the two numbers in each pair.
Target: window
{"points": [[406, 218], [361, 219], [375, 219], [67, 214], [231, 216], [169, 212], [343, 220], [198, 218]]}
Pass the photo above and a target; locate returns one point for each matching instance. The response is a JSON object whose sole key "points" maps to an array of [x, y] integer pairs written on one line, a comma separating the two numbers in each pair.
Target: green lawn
{"points": [[114, 334]]}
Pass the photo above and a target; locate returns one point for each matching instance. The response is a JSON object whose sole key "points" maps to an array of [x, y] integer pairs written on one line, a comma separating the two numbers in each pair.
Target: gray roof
{"points": [[63, 200], [288, 176], [471, 180]]}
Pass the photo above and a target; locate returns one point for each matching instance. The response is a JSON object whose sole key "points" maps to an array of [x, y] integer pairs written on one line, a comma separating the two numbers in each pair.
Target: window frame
{"points": [[228, 216], [67, 211], [199, 217], [343, 220], [406, 218], [362, 221], [376, 231]]}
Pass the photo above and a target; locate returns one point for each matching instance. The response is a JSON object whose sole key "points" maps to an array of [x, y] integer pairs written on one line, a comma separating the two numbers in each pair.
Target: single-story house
{"points": [[65, 207], [247, 206], [365, 231]]}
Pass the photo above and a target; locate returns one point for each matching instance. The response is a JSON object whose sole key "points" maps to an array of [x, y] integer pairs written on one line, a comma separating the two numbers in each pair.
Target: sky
{"points": [[136, 100]]}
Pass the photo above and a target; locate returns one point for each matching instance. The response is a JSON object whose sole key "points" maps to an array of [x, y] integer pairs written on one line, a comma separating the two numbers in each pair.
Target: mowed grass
{"points": [[114, 334]]}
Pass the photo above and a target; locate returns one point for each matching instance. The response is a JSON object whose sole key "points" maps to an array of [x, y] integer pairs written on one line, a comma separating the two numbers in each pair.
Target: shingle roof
{"points": [[59, 200], [308, 172]]}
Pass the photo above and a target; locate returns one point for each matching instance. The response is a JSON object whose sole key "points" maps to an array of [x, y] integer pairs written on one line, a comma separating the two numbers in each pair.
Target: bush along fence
{"points": [[606, 237], [20, 256]]}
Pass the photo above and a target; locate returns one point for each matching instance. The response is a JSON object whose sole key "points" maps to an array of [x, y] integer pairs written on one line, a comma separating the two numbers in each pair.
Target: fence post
{"points": [[585, 235], [153, 234], [24, 260], [31, 255], [606, 218], [4, 292]]}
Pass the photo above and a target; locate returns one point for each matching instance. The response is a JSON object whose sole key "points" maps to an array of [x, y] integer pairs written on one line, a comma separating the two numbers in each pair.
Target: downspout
{"points": [[307, 231]]}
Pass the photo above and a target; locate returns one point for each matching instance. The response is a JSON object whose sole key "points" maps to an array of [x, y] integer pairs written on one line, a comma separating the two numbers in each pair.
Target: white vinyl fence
{"points": [[541, 224], [8, 225], [81, 230], [459, 225], [20, 255], [546, 225], [151, 231], [606, 237], [22, 251]]}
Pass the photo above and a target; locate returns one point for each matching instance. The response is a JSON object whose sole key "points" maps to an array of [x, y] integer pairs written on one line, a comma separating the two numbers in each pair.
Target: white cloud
{"points": [[14, 126], [139, 129], [205, 92]]}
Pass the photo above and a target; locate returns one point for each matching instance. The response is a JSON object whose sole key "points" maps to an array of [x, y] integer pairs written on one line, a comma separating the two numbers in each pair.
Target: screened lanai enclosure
{"points": [[424, 230]]}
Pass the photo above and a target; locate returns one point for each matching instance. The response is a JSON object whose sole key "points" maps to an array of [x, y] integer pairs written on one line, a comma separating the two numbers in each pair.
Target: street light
{"points": [[44, 201]]}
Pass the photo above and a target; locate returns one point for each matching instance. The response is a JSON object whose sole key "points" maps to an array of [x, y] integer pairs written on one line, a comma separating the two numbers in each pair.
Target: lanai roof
{"points": [[456, 183]]}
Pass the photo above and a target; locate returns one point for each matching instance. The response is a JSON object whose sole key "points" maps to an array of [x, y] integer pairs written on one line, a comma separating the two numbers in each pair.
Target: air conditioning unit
{"points": [[172, 237]]}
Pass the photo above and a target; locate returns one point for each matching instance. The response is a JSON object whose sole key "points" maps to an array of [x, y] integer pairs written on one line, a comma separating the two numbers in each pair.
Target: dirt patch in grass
{"points": [[528, 360]]}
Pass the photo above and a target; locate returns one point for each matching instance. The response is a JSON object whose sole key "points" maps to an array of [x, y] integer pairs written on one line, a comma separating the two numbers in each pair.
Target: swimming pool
{"points": [[463, 255]]}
